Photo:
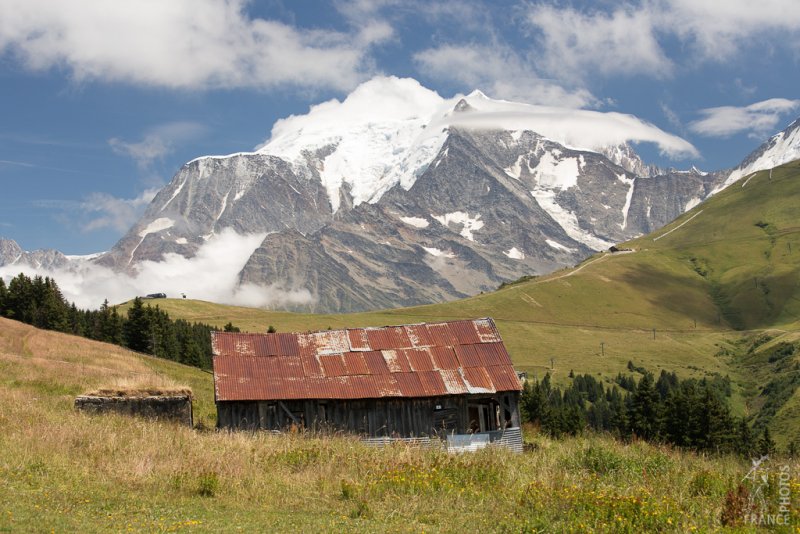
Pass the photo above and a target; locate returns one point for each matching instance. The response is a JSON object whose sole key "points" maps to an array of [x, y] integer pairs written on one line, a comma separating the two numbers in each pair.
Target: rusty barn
{"points": [[436, 379]]}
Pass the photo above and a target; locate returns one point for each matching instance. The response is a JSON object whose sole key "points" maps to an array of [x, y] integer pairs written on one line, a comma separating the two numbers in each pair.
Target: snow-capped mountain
{"points": [[781, 148], [397, 196], [12, 254]]}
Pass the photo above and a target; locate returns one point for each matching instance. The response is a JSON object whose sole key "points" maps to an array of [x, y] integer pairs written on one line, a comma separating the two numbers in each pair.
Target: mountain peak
{"points": [[462, 106]]}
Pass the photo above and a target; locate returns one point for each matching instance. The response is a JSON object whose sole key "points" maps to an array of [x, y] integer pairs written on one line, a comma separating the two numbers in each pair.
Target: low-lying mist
{"points": [[212, 274]]}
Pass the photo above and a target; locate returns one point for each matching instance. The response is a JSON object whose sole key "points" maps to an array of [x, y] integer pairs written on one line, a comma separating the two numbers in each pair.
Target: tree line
{"points": [[39, 302], [689, 413]]}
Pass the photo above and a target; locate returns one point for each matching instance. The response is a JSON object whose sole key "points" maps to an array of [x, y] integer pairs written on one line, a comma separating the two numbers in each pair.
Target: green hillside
{"points": [[692, 297]]}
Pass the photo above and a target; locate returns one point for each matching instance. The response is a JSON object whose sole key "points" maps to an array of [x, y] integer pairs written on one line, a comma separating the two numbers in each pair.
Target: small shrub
{"points": [[361, 510], [735, 506], [600, 460], [704, 483], [348, 490], [208, 484]]}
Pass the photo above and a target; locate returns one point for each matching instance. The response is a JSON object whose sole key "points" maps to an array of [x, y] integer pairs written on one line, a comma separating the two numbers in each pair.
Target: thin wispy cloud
{"points": [[108, 211], [98, 210], [158, 142], [499, 71], [757, 120]]}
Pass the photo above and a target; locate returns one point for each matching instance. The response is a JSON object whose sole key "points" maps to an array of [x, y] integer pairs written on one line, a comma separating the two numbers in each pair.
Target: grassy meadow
{"points": [[64, 471]]}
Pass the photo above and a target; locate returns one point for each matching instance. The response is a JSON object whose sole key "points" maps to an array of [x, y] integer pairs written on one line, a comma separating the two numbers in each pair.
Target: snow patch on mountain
{"points": [[160, 224], [514, 254], [553, 172], [468, 224], [558, 246], [439, 253], [567, 220], [416, 222], [631, 183]]}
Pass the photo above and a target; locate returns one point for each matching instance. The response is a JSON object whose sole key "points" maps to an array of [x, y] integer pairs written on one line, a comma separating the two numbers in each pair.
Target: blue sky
{"points": [[103, 101]]}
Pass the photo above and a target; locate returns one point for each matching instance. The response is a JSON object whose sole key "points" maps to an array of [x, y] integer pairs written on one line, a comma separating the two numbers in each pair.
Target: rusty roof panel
{"points": [[493, 354], [354, 363], [287, 344], [358, 339], [444, 358], [465, 332], [396, 361], [378, 339], [376, 363], [386, 385], [432, 383], [289, 367], [410, 385], [469, 355], [504, 378], [419, 359], [331, 342], [332, 365], [392, 337], [311, 365], [487, 331], [478, 380], [441, 336], [418, 335], [453, 383]]}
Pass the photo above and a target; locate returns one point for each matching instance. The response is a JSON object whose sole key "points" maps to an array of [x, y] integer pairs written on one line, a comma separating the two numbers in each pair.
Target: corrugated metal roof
{"points": [[422, 360]]}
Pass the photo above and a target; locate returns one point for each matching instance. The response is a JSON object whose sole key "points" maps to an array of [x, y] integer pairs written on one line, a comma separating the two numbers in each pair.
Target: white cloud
{"points": [[107, 211], [158, 142], [757, 119], [499, 71], [577, 44], [576, 128], [718, 30], [633, 39], [185, 44], [213, 274]]}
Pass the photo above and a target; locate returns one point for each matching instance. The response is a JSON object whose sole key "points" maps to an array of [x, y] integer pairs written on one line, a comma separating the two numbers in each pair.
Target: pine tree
{"points": [[745, 440], [793, 449], [766, 445], [136, 330], [3, 297], [715, 429], [678, 416], [644, 410]]}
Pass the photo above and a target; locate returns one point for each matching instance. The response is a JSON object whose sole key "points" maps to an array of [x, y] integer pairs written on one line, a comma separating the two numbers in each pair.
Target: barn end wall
{"points": [[176, 408]]}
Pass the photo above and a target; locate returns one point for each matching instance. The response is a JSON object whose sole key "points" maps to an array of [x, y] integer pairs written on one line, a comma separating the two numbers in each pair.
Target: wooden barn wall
{"points": [[372, 417]]}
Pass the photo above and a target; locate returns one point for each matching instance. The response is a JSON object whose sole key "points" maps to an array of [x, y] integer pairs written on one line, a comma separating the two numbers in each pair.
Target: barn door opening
{"points": [[482, 416]]}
